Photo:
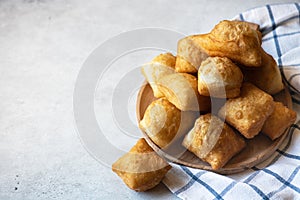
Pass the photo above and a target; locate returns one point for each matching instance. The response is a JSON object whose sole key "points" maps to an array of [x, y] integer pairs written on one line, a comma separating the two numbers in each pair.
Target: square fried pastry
{"points": [[181, 89], [141, 168], [236, 40], [213, 141], [267, 77], [219, 77], [281, 118], [248, 112], [164, 123], [161, 122], [160, 66]]}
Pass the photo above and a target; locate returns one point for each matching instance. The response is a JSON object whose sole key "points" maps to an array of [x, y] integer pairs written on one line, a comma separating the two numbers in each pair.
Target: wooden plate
{"points": [[258, 149]]}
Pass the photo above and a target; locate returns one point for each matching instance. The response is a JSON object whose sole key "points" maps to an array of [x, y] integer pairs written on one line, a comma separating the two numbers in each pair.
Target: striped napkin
{"points": [[279, 176]]}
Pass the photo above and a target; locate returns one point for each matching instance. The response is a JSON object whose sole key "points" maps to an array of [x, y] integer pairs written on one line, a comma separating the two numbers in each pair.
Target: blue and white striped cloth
{"points": [[279, 176]]}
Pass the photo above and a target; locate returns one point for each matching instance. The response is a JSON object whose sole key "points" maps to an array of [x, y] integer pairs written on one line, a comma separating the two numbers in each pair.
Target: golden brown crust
{"points": [[181, 89], [189, 56], [228, 145], [248, 112], [252, 25], [165, 59], [160, 66], [267, 77], [183, 66], [161, 122], [141, 146], [213, 141], [256, 28], [141, 168], [233, 39], [281, 118], [219, 77]]}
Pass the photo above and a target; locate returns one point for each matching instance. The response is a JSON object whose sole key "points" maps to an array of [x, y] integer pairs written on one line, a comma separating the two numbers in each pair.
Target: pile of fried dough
{"points": [[228, 63]]}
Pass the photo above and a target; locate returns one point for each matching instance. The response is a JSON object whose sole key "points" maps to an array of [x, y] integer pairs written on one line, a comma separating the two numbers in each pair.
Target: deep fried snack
{"points": [[281, 118], [254, 27], [160, 66], [181, 89], [189, 55], [141, 168], [213, 141], [165, 59], [219, 77], [248, 112], [233, 39], [161, 122], [164, 123], [267, 77]]}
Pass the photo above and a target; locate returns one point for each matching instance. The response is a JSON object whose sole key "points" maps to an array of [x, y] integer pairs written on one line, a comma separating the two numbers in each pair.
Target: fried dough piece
{"points": [[181, 89], [161, 65], [248, 112], [233, 39], [189, 55], [161, 122], [219, 77], [281, 118], [141, 168], [165, 59], [184, 66], [213, 141], [228, 39], [254, 27], [267, 77], [164, 123]]}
